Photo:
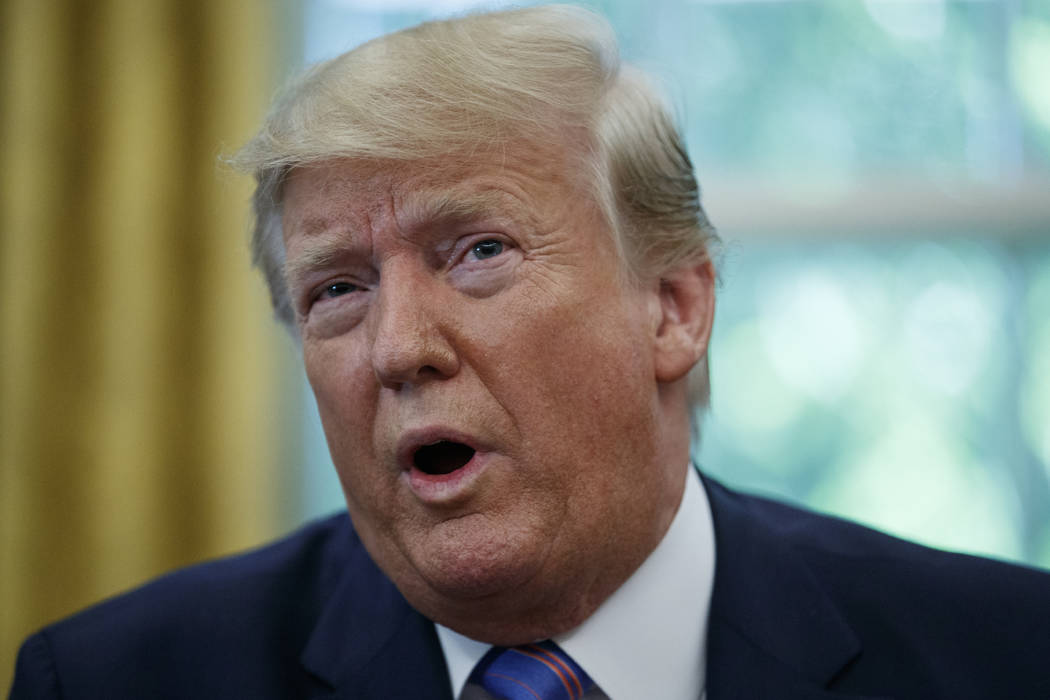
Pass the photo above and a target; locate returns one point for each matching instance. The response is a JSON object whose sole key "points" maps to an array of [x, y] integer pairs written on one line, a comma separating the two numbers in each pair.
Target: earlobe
{"points": [[687, 308]]}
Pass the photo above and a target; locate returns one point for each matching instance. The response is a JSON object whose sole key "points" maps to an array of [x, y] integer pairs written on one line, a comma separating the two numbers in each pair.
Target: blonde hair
{"points": [[479, 82]]}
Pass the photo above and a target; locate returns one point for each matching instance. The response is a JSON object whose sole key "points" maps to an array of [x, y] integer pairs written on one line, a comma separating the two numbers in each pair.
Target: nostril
{"points": [[442, 457]]}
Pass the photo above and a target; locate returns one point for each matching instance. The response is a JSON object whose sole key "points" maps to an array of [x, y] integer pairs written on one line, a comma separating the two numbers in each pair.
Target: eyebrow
{"points": [[319, 255], [450, 207], [419, 212]]}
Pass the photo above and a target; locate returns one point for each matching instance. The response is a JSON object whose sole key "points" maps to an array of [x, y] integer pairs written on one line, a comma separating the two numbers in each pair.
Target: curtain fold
{"points": [[142, 412]]}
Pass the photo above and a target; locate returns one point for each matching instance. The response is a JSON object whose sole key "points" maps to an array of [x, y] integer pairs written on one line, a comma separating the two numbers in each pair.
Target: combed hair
{"points": [[480, 82]]}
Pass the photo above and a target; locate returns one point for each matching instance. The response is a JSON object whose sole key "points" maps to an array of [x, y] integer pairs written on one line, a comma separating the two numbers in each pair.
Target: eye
{"points": [[489, 248], [338, 289]]}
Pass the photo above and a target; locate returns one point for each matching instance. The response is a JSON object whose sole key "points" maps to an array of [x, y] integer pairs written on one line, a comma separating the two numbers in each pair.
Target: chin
{"points": [[484, 587], [512, 618], [464, 560]]}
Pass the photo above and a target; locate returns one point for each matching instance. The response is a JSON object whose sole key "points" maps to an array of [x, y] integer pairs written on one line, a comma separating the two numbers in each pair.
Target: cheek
{"points": [[334, 367], [343, 385], [589, 347], [345, 390], [559, 365]]}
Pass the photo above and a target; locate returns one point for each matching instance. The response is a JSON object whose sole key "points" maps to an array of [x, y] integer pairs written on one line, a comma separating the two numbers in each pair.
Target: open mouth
{"points": [[442, 457]]}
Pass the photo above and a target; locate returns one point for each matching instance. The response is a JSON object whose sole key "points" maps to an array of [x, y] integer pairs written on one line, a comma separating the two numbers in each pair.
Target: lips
{"points": [[442, 466], [437, 450]]}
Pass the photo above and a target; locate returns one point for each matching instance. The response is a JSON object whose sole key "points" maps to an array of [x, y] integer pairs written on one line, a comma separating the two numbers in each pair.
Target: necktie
{"points": [[540, 671]]}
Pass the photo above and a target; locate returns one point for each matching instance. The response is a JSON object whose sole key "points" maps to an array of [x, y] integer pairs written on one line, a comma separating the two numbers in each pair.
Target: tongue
{"points": [[442, 457]]}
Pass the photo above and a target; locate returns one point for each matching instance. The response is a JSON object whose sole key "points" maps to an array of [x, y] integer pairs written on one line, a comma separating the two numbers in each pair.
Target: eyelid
{"points": [[316, 292], [325, 288], [467, 243]]}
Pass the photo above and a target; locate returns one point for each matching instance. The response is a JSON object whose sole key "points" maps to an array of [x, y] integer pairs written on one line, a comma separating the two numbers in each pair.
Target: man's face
{"points": [[485, 376]]}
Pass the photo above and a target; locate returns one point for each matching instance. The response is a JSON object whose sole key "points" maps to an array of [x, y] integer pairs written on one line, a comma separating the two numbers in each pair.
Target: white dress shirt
{"points": [[648, 640]]}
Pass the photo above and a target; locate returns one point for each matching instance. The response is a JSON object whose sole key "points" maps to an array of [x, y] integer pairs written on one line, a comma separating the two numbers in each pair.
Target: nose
{"points": [[409, 344]]}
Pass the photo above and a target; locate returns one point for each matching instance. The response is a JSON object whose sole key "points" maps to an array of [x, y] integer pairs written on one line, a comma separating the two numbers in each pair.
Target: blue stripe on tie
{"points": [[540, 671]]}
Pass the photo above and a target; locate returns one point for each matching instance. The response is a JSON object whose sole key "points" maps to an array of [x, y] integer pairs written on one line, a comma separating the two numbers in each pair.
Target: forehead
{"points": [[371, 195], [519, 182]]}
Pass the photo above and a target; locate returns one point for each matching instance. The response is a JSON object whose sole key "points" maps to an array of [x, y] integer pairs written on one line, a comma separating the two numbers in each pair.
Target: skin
{"points": [[484, 299]]}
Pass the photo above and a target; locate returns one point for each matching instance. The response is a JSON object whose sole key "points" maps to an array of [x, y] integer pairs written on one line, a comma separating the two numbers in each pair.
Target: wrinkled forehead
{"points": [[526, 181], [343, 200]]}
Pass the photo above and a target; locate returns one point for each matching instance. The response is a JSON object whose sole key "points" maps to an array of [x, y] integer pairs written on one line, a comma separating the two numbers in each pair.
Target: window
{"points": [[879, 171]]}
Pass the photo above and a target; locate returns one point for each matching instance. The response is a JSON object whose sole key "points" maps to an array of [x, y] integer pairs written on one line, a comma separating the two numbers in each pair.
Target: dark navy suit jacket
{"points": [[804, 607]]}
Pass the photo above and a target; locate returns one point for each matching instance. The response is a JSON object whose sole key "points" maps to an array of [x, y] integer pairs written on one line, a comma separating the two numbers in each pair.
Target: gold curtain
{"points": [[140, 412]]}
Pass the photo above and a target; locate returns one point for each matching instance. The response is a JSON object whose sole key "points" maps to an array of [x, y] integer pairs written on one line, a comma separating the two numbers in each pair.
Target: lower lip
{"points": [[447, 489]]}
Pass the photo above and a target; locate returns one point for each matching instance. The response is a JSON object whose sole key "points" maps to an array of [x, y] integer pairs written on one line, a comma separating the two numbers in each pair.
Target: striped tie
{"points": [[540, 671]]}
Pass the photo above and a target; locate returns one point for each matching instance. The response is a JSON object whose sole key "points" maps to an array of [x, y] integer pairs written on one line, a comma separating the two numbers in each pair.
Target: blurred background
{"points": [[879, 171]]}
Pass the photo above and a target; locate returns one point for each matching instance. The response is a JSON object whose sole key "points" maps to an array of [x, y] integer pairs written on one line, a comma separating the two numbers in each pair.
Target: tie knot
{"points": [[540, 671]]}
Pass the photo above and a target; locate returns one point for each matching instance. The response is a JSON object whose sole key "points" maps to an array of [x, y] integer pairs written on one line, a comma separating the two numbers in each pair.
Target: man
{"points": [[488, 239]]}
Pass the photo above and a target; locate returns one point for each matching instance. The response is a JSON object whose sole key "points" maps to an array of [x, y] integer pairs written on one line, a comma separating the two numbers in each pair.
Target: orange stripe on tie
{"points": [[561, 662], [540, 657], [514, 680]]}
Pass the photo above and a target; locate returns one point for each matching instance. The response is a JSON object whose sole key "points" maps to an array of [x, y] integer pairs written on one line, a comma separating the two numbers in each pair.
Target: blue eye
{"points": [[487, 249], [338, 289]]}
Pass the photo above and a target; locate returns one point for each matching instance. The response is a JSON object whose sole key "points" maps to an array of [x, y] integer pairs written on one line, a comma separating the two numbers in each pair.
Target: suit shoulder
{"points": [[261, 604], [943, 607], [833, 544], [801, 527], [307, 560], [952, 625]]}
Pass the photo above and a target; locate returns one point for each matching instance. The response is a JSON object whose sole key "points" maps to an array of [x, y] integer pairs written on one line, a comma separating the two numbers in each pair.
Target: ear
{"points": [[683, 328]]}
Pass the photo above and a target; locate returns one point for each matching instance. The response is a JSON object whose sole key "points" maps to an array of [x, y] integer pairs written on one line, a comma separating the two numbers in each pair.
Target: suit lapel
{"points": [[773, 632], [370, 643]]}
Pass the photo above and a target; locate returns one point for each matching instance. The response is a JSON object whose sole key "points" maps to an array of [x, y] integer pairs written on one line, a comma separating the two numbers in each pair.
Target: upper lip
{"points": [[412, 440]]}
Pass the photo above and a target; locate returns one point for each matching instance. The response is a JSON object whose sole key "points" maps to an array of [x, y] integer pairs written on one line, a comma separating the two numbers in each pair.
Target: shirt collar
{"points": [[649, 638]]}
